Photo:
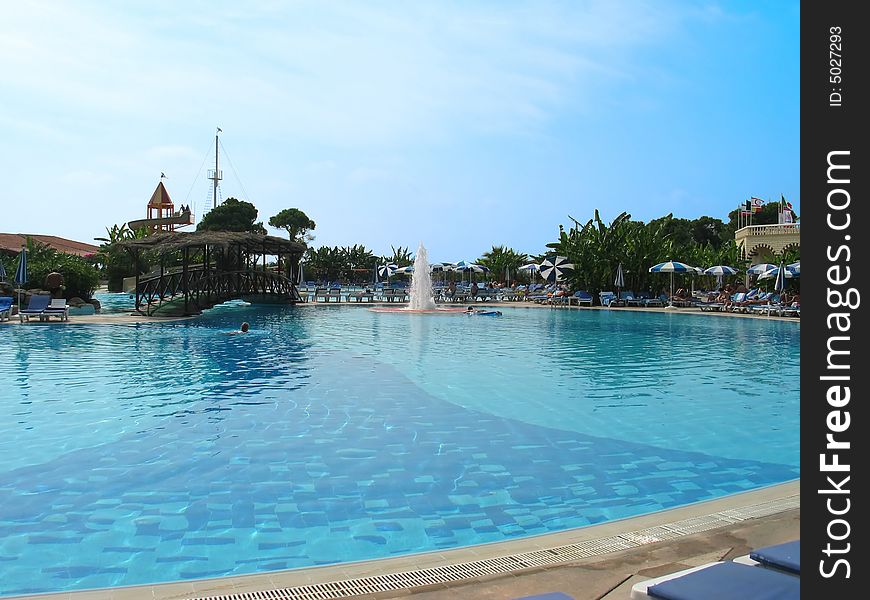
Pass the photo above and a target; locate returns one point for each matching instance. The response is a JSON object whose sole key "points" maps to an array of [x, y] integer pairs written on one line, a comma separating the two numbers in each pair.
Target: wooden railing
{"points": [[206, 288]]}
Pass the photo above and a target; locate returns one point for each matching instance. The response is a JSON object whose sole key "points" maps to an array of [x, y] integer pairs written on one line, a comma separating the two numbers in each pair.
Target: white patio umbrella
{"points": [[671, 266], [531, 269], [619, 282], [554, 268]]}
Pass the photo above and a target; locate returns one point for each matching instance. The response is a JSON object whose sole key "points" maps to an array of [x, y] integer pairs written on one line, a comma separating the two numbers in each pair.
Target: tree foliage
{"points": [[232, 215], [116, 262], [295, 222], [80, 276], [500, 260]]}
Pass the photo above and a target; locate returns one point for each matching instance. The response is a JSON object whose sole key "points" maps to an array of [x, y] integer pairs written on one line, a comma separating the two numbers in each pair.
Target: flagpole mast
{"points": [[216, 175]]}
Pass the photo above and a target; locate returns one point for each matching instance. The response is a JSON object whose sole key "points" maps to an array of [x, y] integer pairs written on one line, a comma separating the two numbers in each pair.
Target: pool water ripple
{"points": [[149, 453]]}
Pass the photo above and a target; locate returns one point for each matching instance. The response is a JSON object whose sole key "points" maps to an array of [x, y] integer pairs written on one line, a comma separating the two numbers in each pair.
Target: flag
{"points": [[748, 205], [219, 130], [757, 204]]}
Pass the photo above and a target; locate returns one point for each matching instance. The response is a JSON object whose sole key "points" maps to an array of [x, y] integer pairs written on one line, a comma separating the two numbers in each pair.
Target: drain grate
{"points": [[508, 564]]}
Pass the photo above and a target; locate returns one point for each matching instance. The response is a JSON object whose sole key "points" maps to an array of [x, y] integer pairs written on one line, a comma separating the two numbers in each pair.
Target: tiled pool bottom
{"points": [[611, 550], [353, 475]]}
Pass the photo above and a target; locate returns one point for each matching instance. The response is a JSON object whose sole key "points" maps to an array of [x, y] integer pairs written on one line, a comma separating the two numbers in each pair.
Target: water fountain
{"points": [[421, 297]]}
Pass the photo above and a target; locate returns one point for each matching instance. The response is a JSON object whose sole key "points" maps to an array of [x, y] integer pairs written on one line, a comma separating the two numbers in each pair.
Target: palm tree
{"points": [[501, 259]]}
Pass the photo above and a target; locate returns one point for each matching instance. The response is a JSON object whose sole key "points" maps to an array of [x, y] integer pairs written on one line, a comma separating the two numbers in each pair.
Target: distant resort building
{"points": [[763, 243], [11, 243]]}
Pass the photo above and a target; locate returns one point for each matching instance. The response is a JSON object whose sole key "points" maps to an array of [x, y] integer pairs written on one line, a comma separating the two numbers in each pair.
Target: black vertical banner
{"points": [[834, 367]]}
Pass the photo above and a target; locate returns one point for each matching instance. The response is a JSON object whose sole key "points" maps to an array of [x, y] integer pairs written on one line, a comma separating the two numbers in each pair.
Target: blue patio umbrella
{"points": [[21, 273], [779, 284], [795, 266], [672, 266], [403, 270], [554, 268]]}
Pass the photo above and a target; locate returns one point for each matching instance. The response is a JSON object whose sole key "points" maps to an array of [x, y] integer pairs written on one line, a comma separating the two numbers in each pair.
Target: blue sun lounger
{"points": [[5, 308], [782, 557], [35, 308], [720, 581]]}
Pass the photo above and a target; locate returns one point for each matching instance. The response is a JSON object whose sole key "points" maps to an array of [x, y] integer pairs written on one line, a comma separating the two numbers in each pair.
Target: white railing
{"points": [[783, 229]]}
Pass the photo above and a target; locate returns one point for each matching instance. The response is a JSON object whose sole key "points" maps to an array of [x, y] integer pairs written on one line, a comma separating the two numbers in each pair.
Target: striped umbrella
{"points": [[760, 268], [387, 270], [720, 271], [788, 273], [672, 266], [795, 266], [554, 268], [404, 270]]}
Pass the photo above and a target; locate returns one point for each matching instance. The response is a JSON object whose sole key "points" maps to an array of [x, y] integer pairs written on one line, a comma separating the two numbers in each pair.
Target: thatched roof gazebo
{"points": [[215, 266]]}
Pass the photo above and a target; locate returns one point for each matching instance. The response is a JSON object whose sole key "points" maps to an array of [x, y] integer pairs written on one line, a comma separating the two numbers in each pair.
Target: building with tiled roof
{"points": [[11, 243]]}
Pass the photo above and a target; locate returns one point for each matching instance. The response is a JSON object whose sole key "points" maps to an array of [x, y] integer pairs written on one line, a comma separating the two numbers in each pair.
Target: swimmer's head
{"points": [[244, 327]]}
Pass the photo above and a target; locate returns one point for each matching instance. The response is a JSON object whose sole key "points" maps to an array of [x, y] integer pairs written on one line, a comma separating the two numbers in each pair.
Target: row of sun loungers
{"points": [[40, 305]]}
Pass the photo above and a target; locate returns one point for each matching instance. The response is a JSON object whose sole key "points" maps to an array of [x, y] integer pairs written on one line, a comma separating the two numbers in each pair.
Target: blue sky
{"points": [[456, 124]]}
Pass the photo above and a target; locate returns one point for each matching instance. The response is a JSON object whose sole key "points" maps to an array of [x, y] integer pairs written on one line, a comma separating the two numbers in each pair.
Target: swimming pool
{"points": [[143, 453]]}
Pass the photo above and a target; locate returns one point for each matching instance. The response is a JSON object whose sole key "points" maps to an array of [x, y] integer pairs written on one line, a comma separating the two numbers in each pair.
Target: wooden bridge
{"points": [[208, 268]]}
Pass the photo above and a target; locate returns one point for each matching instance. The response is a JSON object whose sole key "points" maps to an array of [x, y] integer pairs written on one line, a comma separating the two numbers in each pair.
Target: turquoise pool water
{"points": [[136, 454]]}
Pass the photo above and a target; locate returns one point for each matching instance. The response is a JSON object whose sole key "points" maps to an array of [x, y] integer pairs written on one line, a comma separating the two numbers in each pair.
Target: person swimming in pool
{"points": [[471, 311], [243, 328]]}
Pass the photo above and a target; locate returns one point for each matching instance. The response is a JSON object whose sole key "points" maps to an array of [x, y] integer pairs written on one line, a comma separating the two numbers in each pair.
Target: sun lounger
{"points": [[657, 302], [580, 297], [321, 293], [37, 305], [609, 299], [334, 293], [5, 308], [56, 308], [781, 557], [720, 581], [630, 299], [547, 596], [362, 296]]}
